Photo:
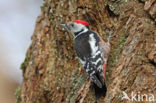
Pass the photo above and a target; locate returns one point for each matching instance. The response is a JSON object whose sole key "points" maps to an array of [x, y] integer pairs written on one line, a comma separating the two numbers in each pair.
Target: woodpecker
{"points": [[92, 51]]}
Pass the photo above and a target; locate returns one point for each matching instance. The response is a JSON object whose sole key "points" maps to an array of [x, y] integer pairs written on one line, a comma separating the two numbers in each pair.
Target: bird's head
{"points": [[77, 26]]}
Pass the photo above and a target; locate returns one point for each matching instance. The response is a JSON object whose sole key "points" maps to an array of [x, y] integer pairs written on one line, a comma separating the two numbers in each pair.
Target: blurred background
{"points": [[17, 23]]}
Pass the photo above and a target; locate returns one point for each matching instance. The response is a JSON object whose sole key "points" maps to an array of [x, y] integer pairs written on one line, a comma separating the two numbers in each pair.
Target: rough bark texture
{"points": [[51, 71]]}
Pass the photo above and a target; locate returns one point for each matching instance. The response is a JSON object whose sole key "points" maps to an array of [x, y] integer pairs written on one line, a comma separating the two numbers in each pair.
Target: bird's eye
{"points": [[72, 25]]}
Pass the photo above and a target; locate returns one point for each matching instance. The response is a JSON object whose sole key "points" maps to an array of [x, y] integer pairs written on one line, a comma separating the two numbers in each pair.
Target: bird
{"points": [[92, 52]]}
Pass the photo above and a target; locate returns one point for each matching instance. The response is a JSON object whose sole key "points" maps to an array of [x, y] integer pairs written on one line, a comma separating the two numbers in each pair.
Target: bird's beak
{"points": [[64, 25]]}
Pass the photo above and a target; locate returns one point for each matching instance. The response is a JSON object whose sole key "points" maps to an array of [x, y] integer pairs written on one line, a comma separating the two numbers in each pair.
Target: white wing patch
{"points": [[98, 60], [97, 53], [92, 42]]}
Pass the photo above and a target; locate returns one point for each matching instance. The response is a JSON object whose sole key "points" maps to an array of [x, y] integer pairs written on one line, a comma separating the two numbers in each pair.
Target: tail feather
{"points": [[100, 91], [96, 81]]}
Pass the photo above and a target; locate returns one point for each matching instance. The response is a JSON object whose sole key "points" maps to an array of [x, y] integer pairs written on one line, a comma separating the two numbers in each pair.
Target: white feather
{"points": [[97, 53], [92, 42], [82, 62], [77, 28], [92, 73], [99, 59]]}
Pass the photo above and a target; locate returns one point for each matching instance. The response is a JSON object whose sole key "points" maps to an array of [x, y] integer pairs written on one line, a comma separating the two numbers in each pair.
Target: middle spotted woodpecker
{"points": [[92, 52]]}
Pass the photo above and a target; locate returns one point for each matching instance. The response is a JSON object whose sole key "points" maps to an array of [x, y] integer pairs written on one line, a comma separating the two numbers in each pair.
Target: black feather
{"points": [[82, 47], [99, 91], [83, 50]]}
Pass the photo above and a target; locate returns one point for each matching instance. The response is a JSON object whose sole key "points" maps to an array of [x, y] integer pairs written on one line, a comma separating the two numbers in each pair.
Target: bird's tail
{"points": [[99, 91]]}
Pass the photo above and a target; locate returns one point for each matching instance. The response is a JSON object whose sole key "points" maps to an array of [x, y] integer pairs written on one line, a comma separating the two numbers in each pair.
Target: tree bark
{"points": [[51, 70]]}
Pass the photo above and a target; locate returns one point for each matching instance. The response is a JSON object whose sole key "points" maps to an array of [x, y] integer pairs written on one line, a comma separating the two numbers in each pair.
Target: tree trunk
{"points": [[51, 70]]}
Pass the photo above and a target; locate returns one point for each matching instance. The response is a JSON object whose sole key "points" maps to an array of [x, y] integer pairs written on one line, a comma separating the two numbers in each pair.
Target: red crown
{"points": [[81, 22]]}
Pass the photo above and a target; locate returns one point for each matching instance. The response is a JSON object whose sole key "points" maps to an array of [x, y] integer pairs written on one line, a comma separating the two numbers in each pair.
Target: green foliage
{"points": [[18, 94], [43, 6], [25, 63]]}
